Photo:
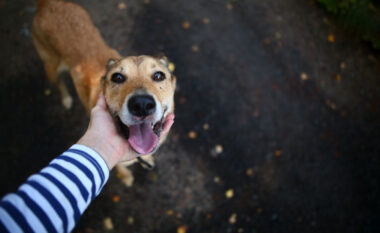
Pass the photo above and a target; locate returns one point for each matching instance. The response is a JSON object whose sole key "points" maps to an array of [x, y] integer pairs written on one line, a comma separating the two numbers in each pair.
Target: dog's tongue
{"points": [[142, 138]]}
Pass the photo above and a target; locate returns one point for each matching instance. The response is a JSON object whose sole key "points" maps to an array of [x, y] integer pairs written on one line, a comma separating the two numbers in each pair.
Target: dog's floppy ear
{"points": [[111, 63], [162, 59]]}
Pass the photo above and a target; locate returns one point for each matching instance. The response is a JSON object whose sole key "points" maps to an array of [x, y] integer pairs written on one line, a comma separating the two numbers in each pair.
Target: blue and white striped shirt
{"points": [[54, 199]]}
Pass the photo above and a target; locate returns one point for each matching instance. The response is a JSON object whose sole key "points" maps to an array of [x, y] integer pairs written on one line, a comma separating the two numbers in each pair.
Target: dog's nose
{"points": [[142, 105]]}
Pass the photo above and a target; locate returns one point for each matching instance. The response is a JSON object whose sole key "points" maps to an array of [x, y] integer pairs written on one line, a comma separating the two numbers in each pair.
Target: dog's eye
{"points": [[118, 78], [158, 76]]}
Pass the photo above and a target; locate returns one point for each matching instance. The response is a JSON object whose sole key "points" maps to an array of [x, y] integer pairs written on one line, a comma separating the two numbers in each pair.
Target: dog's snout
{"points": [[141, 105]]}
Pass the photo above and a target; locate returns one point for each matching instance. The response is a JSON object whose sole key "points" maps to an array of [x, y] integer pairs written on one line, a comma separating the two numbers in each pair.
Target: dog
{"points": [[139, 90]]}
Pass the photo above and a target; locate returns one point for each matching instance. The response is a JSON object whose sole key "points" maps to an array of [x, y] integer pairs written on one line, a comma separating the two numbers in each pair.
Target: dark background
{"points": [[292, 98]]}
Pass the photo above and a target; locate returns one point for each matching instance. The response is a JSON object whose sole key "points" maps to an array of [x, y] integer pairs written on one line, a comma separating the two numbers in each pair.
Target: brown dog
{"points": [[139, 90]]}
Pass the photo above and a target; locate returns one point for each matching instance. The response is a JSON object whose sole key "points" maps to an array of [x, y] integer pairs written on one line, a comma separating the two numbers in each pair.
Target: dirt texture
{"points": [[277, 117]]}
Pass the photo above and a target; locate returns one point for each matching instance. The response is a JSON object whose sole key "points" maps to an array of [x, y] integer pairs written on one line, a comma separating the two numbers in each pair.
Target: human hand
{"points": [[102, 135]]}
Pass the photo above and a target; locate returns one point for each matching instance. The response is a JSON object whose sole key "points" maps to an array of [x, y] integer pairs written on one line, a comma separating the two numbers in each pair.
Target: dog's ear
{"points": [[162, 59], [111, 63]]}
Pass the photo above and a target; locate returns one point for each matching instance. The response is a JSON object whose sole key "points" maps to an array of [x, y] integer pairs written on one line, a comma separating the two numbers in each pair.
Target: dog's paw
{"points": [[128, 180], [67, 102]]}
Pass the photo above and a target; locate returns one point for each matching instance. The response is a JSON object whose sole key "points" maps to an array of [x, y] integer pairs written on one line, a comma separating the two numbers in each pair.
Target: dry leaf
{"points": [[331, 38], [338, 77], [116, 198], [130, 220], [229, 193], [249, 172], [278, 153], [206, 20], [343, 65], [192, 134], [47, 92], [217, 179], [206, 126], [107, 223], [169, 212], [229, 6], [182, 229], [195, 48], [232, 219], [122, 6], [171, 67], [186, 25], [304, 76]]}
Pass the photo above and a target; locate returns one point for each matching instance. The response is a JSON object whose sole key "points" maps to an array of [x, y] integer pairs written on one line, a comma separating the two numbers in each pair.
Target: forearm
{"points": [[54, 199]]}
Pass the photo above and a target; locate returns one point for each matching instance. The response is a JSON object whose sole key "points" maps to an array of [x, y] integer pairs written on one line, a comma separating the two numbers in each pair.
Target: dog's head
{"points": [[139, 91]]}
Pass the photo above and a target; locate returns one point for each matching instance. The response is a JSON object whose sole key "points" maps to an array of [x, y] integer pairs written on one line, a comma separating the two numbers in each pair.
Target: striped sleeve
{"points": [[54, 199]]}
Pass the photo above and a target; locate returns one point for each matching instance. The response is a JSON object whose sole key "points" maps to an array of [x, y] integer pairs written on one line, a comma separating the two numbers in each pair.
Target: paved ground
{"points": [[297, 117]]}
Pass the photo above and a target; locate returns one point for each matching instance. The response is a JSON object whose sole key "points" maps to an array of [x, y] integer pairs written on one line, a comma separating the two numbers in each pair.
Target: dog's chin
{"points": [[143, 137]]}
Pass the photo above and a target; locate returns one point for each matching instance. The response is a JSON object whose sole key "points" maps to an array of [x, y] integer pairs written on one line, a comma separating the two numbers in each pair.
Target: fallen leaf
{"points": [[229, 193], [130, 220], [304, 76], [192, 134], [47, 92], [182, 100], [171, 67], [278, 153], [278, 35], [146, 1], [343, 65], [219, 149], [186, 25], [122, 6], [331, 38], [206, 20], [206, 126], [232, 219], [169, 212], [229, 6], [116, 198], [217, 179], [182, 229], [338, 77], [249, 172], [259, 210], [195, 48], [107, 223], [240, 230]]}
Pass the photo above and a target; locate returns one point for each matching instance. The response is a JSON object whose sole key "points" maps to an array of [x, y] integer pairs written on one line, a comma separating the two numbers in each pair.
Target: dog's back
{"points": [[66, 39]]}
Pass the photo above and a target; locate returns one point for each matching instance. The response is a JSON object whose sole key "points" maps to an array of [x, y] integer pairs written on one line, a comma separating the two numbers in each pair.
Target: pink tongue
{"points": [[142, 138]]}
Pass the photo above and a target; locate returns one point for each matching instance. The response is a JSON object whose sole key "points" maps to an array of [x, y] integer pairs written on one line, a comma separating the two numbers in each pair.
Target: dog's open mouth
{"points": [[142, 137]]}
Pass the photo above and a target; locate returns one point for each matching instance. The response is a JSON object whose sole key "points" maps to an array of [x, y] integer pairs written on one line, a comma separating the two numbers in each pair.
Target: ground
{"points": [[277, 117]]}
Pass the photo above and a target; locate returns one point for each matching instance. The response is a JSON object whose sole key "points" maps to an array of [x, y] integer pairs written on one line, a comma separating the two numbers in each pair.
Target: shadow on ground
{"points": [[294, 115]]}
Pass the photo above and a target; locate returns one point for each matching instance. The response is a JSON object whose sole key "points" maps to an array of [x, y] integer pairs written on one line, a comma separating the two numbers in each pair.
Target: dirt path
{"points": [[288, 99]]}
